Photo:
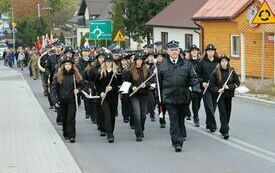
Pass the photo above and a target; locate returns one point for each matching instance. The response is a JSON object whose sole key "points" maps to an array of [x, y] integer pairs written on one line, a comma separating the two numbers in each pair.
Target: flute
{"points": [[139, 87]]}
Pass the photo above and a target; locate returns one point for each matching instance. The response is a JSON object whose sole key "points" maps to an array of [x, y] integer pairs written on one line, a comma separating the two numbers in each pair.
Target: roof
{"points": [[225, 9], [178, 14], [100, 8]]}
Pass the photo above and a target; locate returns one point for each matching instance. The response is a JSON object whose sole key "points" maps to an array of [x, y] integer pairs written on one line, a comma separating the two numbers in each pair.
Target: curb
{"points": [[255, 99]]}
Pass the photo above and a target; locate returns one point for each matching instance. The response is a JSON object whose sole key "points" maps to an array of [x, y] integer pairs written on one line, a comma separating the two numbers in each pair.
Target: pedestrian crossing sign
{"points": [[264, 15], [119, 37]]}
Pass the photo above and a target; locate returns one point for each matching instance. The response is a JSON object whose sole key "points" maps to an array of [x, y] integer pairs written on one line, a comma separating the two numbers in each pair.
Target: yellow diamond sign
{"points": [[119, 37], [13, 24], [264, 15]]}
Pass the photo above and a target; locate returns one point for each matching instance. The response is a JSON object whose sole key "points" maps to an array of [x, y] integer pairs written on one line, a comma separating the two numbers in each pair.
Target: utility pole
{"points": [[13, 28]]}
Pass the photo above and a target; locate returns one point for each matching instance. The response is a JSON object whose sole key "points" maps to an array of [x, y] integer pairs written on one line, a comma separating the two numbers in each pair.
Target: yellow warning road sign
{"points": [[119, 37], [13, 24], [264, 15]]}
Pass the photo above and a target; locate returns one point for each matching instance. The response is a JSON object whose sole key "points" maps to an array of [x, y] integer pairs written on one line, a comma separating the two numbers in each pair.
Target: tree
{"points": [[117, 18], [61, 37], [28, 29], [138, 13], [4, 6]]}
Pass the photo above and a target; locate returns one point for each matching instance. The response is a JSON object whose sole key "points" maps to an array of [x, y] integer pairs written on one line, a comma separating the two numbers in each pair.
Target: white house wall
{"points": [[176, 34], [79, 31]]}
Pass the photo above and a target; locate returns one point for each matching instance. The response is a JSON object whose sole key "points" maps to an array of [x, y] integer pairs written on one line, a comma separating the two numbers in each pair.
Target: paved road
{"points": [[251, 148]]}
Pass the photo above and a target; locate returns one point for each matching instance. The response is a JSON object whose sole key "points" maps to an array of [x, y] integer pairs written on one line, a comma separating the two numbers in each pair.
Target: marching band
{"points": [[160, 82]]}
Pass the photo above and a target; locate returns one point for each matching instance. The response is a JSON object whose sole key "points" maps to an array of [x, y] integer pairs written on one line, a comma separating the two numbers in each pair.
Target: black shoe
{"points": [[162, 126], [59, 123], [125, 120], [51, 107], [142, 135], [45, 94], [188, 118], [102, 133], [178, 148], [111, 139], [132, 127], [225, 136], [197, 124], [139, 139], [93, 121], [72, 140], [212, 130], [153, 119], [87, 116]]}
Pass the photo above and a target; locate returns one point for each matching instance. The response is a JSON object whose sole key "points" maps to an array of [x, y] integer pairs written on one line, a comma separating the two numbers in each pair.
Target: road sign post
{"points": [[101, 29], [264, 16]]}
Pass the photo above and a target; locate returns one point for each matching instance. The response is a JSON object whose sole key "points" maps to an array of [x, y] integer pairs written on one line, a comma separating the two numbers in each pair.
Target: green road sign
{"points": [[101, 29]]}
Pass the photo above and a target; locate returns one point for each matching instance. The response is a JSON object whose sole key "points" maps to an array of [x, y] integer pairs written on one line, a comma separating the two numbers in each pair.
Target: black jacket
{"points": [[102, 83], [139, 81], [233, 83], [89, 79], [175, 79], [64, 91], [52, 64], [205, 69], [82, 64]]}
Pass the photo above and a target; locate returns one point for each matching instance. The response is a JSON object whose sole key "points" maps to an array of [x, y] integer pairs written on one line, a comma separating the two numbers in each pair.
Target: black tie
{"points": [[174, 61]]}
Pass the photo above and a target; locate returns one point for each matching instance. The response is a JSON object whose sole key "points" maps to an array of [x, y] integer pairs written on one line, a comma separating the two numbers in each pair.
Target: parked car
{"points": [[3, 47]]}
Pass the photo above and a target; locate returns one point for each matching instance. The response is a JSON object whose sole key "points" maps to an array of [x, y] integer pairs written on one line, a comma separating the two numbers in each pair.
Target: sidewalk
{"points": [[28, 141]]}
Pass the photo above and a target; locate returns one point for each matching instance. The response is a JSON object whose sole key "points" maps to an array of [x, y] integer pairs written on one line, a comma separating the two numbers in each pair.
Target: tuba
{"points": [[41, 68]]}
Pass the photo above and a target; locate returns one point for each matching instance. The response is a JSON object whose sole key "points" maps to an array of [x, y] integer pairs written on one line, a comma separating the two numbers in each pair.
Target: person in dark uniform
{"points": [[89, 87], [195, 96], [108, 81], [176, 75], [51, 68], [158, 46], [125, 100], [43, 63], [205, 69], [151, 93], [160, 56], [138, 74], [63, 93], [100, 117], [219, 86]]}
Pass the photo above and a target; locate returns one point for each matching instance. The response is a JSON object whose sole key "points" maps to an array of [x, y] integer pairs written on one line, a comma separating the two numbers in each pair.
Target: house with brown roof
{"points": [[228, 25], [175, 23]]}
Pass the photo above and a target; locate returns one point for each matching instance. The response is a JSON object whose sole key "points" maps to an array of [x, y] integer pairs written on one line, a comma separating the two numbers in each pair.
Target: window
{"points": [[188, 40], [164, 38], [235, 45]]}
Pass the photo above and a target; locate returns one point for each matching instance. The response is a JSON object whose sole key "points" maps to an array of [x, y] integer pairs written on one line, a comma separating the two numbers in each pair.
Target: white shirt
{"points": [[174, 61]]}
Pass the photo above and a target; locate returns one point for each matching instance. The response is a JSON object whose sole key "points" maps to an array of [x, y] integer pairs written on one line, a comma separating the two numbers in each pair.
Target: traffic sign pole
{"points": [[263, 58]]}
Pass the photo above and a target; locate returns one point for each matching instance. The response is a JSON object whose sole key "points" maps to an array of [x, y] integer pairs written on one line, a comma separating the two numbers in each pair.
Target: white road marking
{"points": [[241, 145]]}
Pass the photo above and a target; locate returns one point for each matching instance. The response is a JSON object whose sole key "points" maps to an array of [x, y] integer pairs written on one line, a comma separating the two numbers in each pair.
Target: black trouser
{"points": [[224, 106], [177, 113], [189, 103], [209, 102], [126, 106], [109, 108], [49, 97], [68, 111], [100, 117], [162, 109], [139, 105], [90, 108], [44, 79], [196, 104], [151, 103]]}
